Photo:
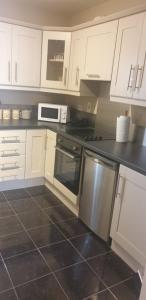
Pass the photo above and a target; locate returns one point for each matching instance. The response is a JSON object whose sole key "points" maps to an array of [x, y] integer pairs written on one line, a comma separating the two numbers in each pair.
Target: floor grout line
{"points": [[38, 249], [10, 278], [38, 252]]}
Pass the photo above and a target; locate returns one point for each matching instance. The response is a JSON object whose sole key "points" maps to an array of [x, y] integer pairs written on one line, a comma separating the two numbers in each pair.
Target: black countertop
{"points": [[131, 155]]}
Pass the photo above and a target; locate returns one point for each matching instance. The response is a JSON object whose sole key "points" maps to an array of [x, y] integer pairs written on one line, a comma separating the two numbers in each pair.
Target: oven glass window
{"points": [[48, 112], [67, 171]]}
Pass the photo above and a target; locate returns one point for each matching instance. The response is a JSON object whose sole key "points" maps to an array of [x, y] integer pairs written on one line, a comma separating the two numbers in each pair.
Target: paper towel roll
{"points": [[122, 130]]}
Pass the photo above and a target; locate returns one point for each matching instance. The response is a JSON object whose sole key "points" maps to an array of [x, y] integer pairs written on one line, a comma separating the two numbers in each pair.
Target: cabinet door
{"points": [[77, 59], [50, 156], [35, 153], [5, 53], [55, 59], [100, 46], [129, 222], [128, 40], [26, 56], [140, 86]]}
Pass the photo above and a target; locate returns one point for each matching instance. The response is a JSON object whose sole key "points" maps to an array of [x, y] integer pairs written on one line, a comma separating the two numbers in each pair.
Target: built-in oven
{"points": [[68, 163]]}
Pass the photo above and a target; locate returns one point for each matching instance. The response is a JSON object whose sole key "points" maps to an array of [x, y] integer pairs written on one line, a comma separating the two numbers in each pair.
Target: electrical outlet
{"points": [[79, 107], [89, 107]]}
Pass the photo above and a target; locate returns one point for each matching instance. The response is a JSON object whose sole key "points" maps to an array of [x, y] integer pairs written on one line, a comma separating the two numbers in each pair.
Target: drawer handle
{"points": [[4, 141], [93, 75], [9, 168], [10, 154]]}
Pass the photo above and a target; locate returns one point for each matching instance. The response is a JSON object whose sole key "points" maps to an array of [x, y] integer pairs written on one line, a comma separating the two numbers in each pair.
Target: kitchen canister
{"points": [[6, 114], [122, 130], [26, 114], [15, 114]]}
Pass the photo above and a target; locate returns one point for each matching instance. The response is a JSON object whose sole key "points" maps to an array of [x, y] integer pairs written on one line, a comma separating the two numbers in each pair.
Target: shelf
{"points": [[57, 60]]}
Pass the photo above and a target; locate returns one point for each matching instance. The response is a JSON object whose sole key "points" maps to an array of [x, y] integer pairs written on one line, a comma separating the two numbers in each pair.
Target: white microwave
{"points": [[53, 113]]}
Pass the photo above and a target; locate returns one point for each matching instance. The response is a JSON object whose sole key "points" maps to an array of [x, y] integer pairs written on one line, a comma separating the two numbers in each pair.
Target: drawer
{"points": [[11, 163], [12, 174], [12, 136], [9, 150], [51, 134]]}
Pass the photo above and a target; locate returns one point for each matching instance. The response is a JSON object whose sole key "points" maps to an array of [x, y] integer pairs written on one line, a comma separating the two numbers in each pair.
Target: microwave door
{"points": [[51, 114]]}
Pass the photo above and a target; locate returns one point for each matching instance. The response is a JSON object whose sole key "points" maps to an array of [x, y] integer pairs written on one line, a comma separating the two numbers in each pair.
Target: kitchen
{"points": [[72, 149]]}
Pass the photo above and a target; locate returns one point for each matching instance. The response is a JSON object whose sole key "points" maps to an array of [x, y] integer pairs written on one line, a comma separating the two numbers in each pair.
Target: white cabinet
{"points": [[50, 156], [129, 221], [99, 51], [129, 73], [12, 154], [26, 56], [5, 53], [20, 55], [77, 59], [35, 153], [55, 59]]}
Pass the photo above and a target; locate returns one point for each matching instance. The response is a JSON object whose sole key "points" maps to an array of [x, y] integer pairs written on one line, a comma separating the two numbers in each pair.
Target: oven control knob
{"points": [[74, 148]]}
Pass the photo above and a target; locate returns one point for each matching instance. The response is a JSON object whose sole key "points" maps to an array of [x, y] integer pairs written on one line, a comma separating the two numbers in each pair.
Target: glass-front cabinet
{"points": [[55, 59]]}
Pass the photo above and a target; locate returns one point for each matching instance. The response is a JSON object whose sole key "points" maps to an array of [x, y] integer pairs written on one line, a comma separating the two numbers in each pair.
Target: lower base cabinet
{"points": [[128, 228], [35, 153], [50, 156]]}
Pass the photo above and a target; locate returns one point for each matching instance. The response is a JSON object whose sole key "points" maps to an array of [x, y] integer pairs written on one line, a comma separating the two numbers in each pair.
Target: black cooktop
{"points": [[90, 134]]}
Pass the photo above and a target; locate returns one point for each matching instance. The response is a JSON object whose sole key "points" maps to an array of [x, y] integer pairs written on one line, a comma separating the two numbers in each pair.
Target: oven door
{"points": [[67, 169], [49, 113]]}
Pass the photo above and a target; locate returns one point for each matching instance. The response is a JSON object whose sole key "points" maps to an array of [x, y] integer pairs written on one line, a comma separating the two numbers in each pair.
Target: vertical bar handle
{"points": [[16, 71], [65, 76], [9, 72], [130, 82]]}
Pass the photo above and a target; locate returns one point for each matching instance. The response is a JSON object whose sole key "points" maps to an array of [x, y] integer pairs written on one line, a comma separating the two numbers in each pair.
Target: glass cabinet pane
{"points": [[55, 60]]}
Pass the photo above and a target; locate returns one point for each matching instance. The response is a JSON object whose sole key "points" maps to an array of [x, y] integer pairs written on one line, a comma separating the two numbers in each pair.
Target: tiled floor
{"points": [[48, 254]]}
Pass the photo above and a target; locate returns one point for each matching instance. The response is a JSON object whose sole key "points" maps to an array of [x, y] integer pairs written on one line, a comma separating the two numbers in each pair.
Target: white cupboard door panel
{"points": [[5, 53], [126, 56], [77, 59], [50, 156], [140, 86], [55, 59], [129, 222], [35, 153], [100, 46], [26, 56]]}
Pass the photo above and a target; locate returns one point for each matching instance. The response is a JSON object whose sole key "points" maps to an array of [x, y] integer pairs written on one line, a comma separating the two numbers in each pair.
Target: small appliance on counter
{"points": [[25, 114], [53, 113]]}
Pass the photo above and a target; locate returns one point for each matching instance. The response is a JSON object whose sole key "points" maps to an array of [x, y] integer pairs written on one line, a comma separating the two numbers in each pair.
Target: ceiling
{"points": [[63, 6]]}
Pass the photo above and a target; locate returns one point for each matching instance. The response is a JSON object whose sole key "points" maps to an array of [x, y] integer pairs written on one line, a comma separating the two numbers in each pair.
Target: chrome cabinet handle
{"points": [[10, 168], [139, 75], [16, 72], [120, 186], [77, 76], [131, 81], [93, 75], [10, 154], [65, 76], [9, 72], [6, 141]]}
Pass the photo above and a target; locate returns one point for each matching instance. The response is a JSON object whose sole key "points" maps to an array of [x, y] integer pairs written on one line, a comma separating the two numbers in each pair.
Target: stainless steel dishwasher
{"points": [[98, 184]]}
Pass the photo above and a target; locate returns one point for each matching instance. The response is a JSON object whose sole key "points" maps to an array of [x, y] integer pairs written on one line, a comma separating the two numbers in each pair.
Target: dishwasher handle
{"points": [[100, 160]]}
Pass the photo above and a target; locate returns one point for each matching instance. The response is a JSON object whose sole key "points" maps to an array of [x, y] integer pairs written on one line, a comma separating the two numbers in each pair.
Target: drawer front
{"points": [[12, 136], [12, 163], [10, 150], [12, 174]]}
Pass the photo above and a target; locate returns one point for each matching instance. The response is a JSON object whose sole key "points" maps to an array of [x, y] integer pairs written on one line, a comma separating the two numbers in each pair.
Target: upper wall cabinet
{"points": [[77, 59], [5, 53], [20, 55], [100, 47], [26, 56], [129, 74], [55, 59]]}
